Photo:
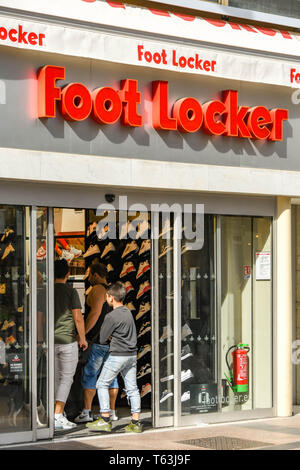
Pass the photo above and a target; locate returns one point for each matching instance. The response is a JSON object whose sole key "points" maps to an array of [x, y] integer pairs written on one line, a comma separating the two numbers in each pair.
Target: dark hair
{"points": [[98, 268], [117, 291], [61, 268]]}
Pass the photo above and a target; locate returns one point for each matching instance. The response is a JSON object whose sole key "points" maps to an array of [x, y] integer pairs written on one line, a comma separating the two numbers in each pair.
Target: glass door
{"points": [[42, 401], [208, 301], [163, 318]]}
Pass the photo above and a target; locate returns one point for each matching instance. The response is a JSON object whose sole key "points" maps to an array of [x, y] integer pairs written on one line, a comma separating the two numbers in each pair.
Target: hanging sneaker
{"points": [[84, 417], [130, 249], [184, 249], [143, 268], [67, 255], [167, 378], [134, 427], [165, 250], [167, 333], [92, 250], [145, 246], [128, 268], [186, 396], [130, 306], [103, 233], [144, 308], [10, 340], [145, 390], [99, 425], [108, 249], [143, 229], [129, 287], [5, 325], [186, 374], [127, 230], [143, 350], [166, 230], [75, 252], [8, 231], [165, 395], [9, 249], [166, 357], [143, 289], [91, 228], [61, 422], [41, 254], [144, 370], [144, 329], [185, 331], [186, 352]]}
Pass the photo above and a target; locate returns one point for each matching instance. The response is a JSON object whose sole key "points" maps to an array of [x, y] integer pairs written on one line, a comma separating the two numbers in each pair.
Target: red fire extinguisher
{"points": [[239, 373]]}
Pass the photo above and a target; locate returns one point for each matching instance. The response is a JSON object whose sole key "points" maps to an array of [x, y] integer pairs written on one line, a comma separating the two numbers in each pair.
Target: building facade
{"points": [[185, 120]]}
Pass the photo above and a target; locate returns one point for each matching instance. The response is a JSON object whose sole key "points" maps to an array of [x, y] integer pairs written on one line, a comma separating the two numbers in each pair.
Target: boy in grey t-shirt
{"points": [[118, 325]]}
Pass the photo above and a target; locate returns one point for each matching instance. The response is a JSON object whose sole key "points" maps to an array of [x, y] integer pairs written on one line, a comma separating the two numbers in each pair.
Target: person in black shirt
{"points": [[68, 335]]}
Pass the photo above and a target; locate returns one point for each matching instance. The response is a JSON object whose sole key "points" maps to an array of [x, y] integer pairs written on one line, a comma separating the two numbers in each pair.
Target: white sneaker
{"points": [[186, 374], [84, 417], [61, 422], [165, 395], [113, 415], [167, 378], [186, 331], [186, 396], [67, 255], [167, 332]]}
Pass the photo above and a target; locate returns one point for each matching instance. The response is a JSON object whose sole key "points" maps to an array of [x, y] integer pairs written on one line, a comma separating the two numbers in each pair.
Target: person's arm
{"points": [[107, 329], [79, 323], [97, 300]]}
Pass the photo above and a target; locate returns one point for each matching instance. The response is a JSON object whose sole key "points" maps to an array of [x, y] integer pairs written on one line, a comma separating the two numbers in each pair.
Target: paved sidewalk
{"points": [[264, 434]]}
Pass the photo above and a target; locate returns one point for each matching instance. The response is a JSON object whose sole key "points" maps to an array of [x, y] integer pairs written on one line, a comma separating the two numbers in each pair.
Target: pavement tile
{"points": [[272, 433]]}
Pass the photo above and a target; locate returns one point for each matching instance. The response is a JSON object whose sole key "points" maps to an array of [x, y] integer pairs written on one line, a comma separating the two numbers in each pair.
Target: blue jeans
{"points": [[126, 365], [98, 356]]}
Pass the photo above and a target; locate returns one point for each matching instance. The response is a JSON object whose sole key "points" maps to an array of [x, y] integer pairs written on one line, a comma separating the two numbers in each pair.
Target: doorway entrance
{"points": [[122, 244]]}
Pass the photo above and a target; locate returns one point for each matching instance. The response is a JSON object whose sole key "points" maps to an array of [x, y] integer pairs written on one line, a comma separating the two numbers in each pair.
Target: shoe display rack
{"points": [[127, 260]]}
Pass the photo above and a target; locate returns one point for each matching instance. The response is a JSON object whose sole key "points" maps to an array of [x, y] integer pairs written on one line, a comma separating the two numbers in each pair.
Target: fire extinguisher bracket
{"points": [[239, 371]]}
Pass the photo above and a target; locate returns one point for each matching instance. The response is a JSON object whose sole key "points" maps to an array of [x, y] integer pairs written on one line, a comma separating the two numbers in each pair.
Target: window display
{"points": [[198, 333], [166, 314]]}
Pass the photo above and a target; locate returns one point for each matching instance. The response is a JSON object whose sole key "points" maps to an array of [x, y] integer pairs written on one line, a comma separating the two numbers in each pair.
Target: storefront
{"points": [[196, 142]]}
